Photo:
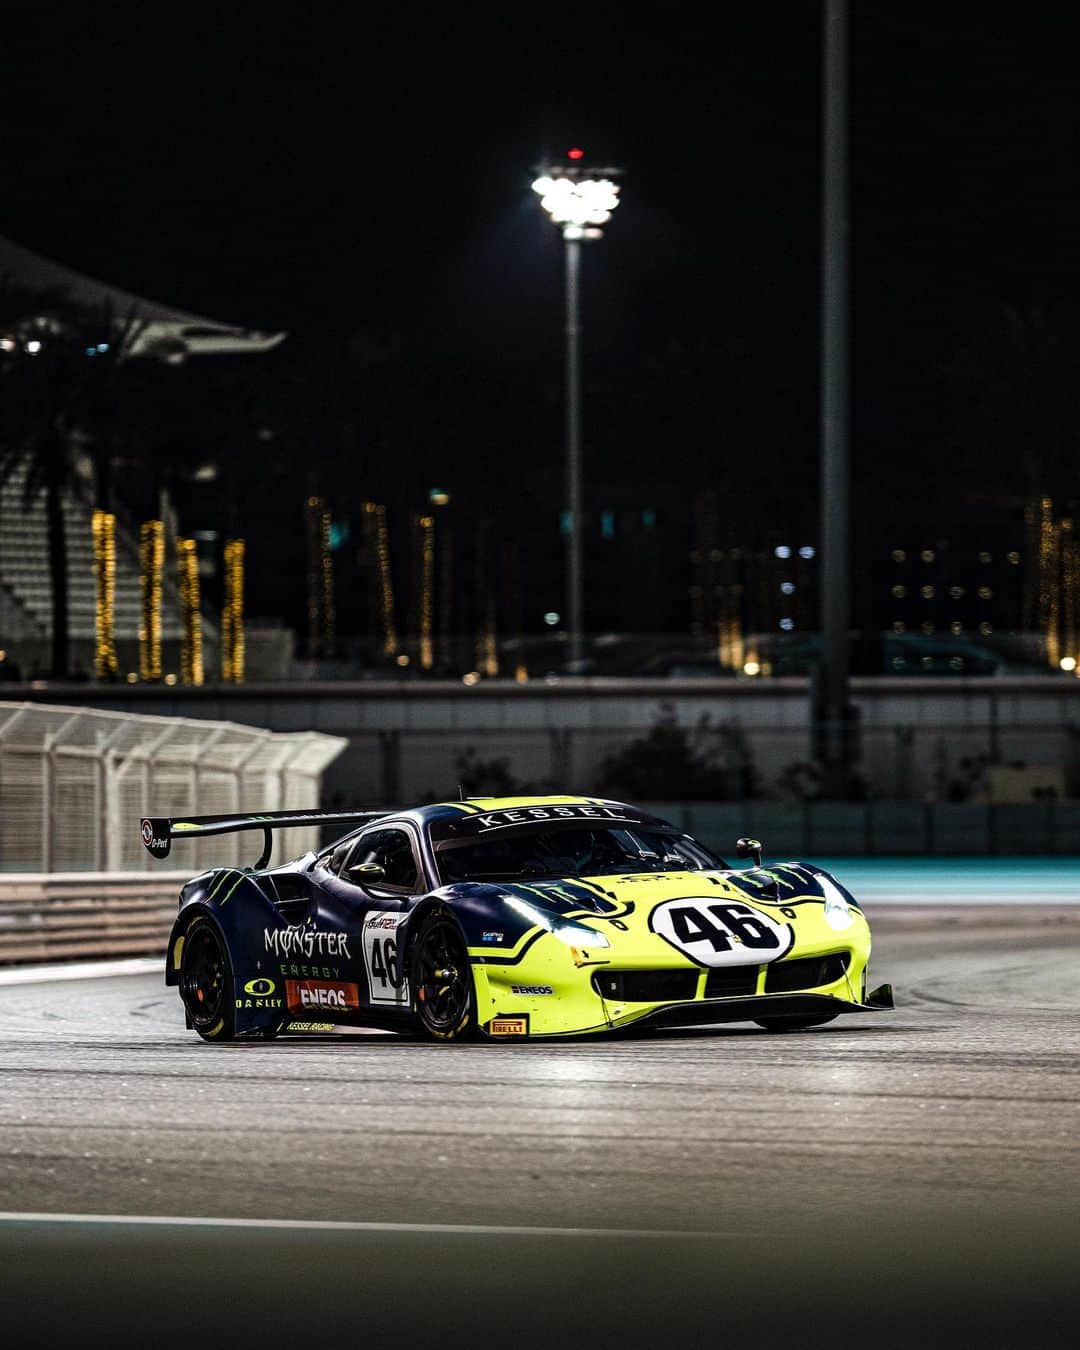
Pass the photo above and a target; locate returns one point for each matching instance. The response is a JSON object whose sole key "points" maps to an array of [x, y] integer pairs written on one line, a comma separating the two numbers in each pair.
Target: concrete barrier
{"points": [[58, 916]]}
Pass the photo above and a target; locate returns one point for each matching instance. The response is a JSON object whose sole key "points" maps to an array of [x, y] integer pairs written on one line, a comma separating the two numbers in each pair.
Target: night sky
{"points": [[330, 168]]}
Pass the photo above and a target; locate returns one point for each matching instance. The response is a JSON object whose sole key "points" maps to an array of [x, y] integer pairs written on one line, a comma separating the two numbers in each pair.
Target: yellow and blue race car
{"points": [[500, 917]]}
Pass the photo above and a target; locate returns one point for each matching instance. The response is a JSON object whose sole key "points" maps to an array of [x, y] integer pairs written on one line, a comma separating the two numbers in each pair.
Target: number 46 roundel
{"points": [[721, 932]]}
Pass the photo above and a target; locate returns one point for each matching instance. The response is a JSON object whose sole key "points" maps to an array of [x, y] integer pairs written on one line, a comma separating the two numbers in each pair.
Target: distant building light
{"points": [[787, 587], [551, 618], [205, 473], [438, 497], [899, 592], [133, 677], [787, 624], [607, 524], [807, 551], [648, 518], [91, 351], [33, 346], [782, 551], [956, 662], [956, 627], [1013, 557], [751, 668], [898, 663], [986, 628], [898, 555], [927, 628], [170, 678], [1067, 663], [986, 557], [927, 555], [564, 522], [985, 593], [403, 659], [471, 677], [956, 592], [7, 344], [899, 626], [928, 592], [103, 346]]}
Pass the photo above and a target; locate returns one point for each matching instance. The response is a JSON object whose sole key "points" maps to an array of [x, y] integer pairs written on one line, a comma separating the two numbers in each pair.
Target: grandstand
{"points": [[26, 587]]}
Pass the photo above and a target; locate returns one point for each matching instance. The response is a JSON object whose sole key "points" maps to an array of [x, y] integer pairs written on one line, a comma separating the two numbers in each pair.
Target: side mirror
{"points": [[365, 873], [749, 848]]}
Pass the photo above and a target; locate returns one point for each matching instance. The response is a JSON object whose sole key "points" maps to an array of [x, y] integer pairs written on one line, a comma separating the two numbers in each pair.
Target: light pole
{"points": [[832, 713], [580, 201]]}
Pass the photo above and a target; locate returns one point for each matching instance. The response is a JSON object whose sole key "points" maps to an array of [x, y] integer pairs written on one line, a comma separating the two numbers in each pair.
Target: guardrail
{"points": [[55, 916]]}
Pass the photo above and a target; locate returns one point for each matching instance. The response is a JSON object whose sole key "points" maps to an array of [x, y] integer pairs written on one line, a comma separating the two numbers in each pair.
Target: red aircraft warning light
{"points": [[575, 152]]}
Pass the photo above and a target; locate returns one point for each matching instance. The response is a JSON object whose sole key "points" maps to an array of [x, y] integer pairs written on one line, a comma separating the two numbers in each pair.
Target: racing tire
{"points": [[781, 1024], [440, 973], [206, 982]]}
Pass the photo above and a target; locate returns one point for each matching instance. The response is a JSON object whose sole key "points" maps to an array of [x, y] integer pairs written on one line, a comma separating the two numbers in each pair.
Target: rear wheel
{"points": [[793, 1023], [443, 995], [206, 983]]}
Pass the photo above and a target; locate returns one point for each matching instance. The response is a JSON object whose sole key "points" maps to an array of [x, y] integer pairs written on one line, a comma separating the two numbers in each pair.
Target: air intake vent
{"points": [[807, 972], [646, 986], [731, 982]]}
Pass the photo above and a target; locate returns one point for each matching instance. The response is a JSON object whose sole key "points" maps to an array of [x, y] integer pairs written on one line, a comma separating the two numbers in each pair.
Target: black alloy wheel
{"points": [[206, 983], [793, 1023], [443, 995]]}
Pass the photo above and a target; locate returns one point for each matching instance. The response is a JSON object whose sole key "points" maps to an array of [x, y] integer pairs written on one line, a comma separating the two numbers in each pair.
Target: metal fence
{"points": [[74, 783]]}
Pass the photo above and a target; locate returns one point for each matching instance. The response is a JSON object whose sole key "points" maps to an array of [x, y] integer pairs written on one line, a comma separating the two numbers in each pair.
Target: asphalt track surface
{"points": [[888, 1178]]}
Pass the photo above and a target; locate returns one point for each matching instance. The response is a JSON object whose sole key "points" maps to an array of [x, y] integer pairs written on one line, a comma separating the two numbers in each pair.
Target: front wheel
{"points": [[206, 983], [793, 1023], [444, 998]]}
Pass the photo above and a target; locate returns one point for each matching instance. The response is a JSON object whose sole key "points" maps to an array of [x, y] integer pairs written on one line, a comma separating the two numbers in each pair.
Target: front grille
{"points": [[807, 972], [646, 986], [731, 981]]}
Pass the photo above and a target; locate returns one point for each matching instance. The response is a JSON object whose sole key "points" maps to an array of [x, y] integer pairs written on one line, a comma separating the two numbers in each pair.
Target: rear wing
{"points": [[158, 832]]}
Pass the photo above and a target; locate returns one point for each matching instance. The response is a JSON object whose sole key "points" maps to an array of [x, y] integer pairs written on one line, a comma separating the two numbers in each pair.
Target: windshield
{"points": [[571, 851]]}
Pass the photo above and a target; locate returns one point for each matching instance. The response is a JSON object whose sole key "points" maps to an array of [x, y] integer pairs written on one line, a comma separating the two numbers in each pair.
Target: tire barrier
{"points": [[65, 916]]}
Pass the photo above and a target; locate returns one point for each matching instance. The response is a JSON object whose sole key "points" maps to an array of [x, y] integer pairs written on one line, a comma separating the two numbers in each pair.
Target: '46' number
{"points": [[719, 933], [384, 962]]}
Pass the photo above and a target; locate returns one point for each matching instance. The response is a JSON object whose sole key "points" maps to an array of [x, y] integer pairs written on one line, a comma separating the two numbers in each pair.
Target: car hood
{"points": [[707, 918]]}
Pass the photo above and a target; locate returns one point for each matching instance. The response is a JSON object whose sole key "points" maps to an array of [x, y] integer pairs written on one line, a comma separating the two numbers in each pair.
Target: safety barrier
{"points": [[52, 916]]}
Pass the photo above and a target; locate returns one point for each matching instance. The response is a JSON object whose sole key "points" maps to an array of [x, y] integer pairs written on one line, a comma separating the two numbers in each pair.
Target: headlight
{"points": [[838, 913], [573, 934]]}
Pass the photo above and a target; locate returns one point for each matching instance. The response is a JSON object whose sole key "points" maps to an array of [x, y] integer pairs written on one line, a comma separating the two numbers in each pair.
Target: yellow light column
{"points": [[103, 530], [191, 653], [427, 591], [151, 570], [233, 645]]}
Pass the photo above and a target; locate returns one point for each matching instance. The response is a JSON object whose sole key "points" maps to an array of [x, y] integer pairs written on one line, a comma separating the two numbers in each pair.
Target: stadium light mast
{"points": [[580, 201], [832, 714]]}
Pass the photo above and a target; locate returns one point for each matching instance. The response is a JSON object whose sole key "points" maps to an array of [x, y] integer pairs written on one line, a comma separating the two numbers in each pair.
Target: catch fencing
{"points": [[74, 783]]}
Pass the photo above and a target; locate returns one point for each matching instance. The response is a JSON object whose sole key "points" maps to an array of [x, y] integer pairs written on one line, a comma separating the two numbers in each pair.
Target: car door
{"points": [[384, 867]]}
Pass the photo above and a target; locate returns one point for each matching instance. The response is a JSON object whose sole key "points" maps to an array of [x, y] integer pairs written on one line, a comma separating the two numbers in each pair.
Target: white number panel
{"points": [[387, 981]]}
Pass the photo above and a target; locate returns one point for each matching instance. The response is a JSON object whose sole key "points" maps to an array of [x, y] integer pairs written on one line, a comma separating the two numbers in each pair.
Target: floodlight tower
{"points": [[580, 200]]}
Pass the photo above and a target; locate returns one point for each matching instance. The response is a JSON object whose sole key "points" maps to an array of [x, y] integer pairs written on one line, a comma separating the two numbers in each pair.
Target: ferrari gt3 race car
{"points": [[507, 917]]}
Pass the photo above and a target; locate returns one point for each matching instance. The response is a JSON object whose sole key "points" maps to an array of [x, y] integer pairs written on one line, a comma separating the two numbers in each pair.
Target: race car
{"points": [[507, 918]]}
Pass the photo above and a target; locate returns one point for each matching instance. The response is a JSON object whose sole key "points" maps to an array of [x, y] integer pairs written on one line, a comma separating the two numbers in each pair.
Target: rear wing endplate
{"points": [[158, 832]]}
